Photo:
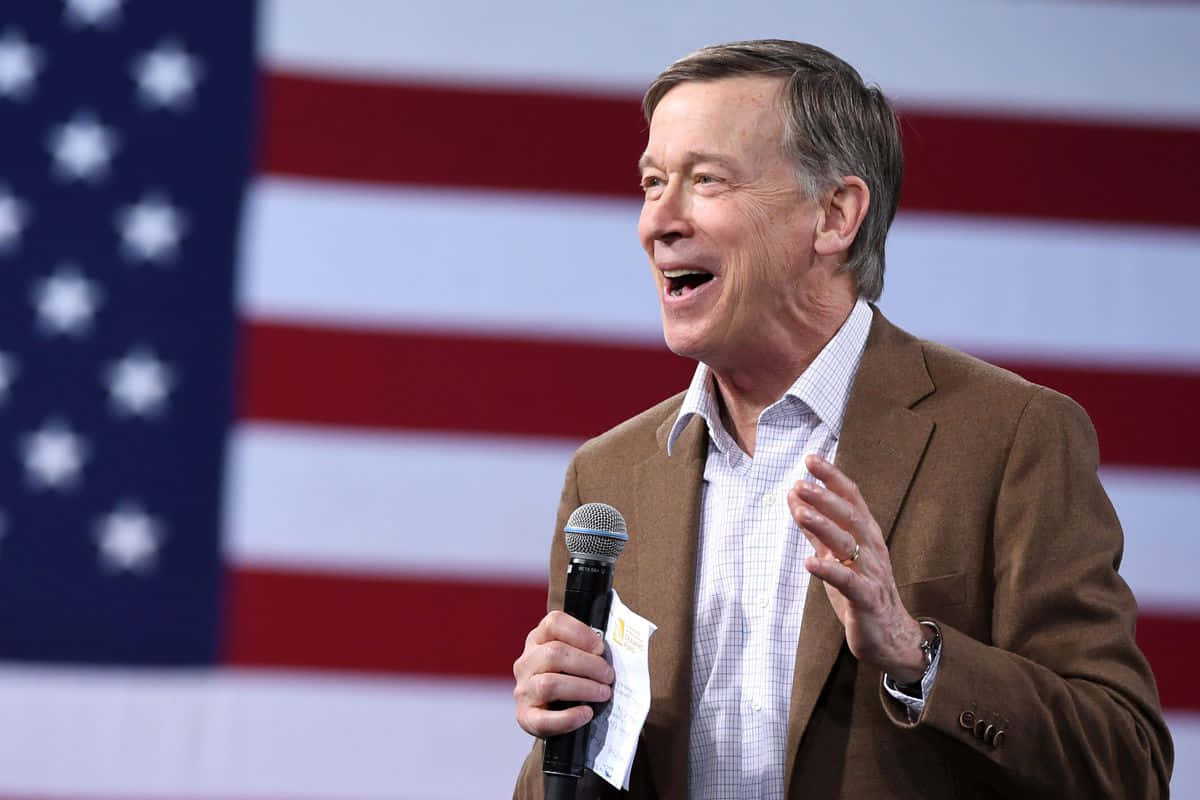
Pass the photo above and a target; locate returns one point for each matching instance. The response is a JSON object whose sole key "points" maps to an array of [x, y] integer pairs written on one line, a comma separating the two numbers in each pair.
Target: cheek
{"points": [[762, 230], [644, 229], [760, 252], [780, 244]]}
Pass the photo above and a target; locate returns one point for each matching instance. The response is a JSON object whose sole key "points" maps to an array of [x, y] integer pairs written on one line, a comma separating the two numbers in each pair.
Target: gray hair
{"points": [[834, 125]]}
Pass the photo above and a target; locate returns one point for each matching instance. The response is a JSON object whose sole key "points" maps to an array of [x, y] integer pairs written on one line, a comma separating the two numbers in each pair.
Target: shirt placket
{"points": [[756, 594]]}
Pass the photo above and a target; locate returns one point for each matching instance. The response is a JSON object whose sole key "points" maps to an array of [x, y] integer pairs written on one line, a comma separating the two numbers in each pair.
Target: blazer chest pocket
{"points": [[930, 596]]}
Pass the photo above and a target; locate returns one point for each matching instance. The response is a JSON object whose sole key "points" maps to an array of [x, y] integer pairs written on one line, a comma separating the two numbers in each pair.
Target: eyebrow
{"points": [[692, 156]]}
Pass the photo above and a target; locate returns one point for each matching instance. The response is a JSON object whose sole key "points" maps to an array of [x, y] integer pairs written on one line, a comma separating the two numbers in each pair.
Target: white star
{"points": [[151, 229], [82, 148], [13, 215], [8, 373], [53, 456], [19, 64], [167, 76], [128, 539], [138, 384], [93, 13], [65, 302]]}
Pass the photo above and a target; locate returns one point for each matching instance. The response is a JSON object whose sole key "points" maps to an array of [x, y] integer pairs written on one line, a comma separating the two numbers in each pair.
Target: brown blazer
{"points": [[985, 486]]}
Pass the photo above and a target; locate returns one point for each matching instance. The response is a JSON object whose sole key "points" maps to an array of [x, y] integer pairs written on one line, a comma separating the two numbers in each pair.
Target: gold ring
{"points": [[853, 556]]}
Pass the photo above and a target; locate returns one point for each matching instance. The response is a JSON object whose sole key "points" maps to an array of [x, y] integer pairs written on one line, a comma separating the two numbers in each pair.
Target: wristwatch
{"points": [[930, 647]]}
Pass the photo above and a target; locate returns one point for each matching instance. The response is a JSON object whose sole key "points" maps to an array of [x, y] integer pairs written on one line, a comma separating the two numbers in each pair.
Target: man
{"points": [[939, 614]]}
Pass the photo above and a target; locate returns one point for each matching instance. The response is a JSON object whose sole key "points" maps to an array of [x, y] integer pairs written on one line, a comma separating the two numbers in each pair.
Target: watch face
{"points": [[931, 645]]}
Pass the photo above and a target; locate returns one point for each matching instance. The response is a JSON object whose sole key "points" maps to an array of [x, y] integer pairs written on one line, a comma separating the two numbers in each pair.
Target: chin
{"points": [[685, 345]]}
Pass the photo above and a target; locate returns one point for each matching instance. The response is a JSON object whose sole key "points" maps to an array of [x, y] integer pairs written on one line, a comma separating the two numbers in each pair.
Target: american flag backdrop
{"points": [[305, 306]]}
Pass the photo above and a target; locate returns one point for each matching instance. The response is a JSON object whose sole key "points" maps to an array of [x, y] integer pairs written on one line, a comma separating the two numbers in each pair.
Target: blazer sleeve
{"points": [[1062, 676]]}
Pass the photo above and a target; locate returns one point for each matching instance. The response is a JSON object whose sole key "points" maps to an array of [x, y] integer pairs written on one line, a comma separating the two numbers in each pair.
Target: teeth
{"points": [[679, 273]]}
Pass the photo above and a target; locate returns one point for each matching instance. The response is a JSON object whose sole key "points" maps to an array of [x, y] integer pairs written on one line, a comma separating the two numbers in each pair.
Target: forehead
{"points": [[732, 114]]}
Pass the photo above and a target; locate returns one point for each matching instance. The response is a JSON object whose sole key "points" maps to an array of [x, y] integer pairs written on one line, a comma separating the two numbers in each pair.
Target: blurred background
{"points": [[305, 306]]}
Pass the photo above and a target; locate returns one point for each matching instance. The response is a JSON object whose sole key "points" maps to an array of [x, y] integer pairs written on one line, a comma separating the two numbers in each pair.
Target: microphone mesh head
{"points": [[596, 531]]}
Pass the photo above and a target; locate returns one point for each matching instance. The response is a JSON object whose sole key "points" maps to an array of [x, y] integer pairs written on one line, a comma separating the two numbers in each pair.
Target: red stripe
{"points": [[424, 381], [1062, 170], [471, 137], [377, 624], [400, 133], [1171, 642], [1119, 403], [450, 382], [465, 628]]}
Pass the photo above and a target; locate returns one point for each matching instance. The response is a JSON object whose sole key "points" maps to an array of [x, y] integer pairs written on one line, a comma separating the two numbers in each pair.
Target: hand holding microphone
{"points": [[562, 667]]}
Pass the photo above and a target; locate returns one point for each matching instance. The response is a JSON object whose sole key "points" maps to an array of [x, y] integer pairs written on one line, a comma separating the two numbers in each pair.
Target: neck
{"points": [[745, 389]]}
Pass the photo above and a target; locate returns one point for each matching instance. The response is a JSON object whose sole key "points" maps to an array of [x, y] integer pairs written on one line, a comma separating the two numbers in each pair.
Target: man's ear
{"points": [[842, 213]]}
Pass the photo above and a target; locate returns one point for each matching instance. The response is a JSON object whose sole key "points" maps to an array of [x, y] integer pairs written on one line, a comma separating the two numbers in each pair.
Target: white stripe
{"points": [[1111, 59], [254, 735], [462, 505], [1050, 290], [511, 262], [1185, 731], [446, 259], [417, 503], [287, 735], [1158, 510]]}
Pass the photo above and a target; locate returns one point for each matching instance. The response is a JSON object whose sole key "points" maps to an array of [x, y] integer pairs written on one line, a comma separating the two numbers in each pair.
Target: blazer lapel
{"points": [[881, 444], [667, 512]]}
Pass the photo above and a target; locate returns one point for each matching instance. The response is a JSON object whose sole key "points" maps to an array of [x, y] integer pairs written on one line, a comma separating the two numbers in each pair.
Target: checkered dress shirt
{"points": [[750, 575]]}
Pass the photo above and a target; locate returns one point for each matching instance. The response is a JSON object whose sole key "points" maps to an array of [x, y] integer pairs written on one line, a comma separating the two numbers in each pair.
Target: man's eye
{"points": [[706, 179], [651, 182]]}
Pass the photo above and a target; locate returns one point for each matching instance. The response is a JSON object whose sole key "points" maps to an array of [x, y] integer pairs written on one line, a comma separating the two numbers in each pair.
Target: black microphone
{"points": [[596, 535]]}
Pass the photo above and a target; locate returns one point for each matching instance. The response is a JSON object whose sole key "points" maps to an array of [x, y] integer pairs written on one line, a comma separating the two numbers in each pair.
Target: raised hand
{"points": [[853, 562]]}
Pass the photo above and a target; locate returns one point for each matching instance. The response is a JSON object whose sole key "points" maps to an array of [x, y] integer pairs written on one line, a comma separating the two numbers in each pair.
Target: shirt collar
{"points": [[824, 387]]}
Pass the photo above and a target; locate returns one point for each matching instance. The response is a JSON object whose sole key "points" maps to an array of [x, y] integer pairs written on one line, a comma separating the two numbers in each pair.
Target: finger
{"points": [[540, 691], [818, 528], [798, 508], [834, 507], [851, 585], [836, 481], [558, 626], [543, 722], [562, 657], [855, 520]]}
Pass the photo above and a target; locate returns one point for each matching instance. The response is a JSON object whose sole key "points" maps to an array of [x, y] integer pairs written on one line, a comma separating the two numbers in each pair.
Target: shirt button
{"points": [[756, 704], [764, 601]]}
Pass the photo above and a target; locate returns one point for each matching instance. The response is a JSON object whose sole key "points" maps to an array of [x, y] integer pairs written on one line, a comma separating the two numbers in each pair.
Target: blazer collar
{"points": [[667, 503]]}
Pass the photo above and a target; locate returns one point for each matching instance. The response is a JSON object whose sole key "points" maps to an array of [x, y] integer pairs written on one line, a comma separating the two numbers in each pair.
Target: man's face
{"points": [[725, 222]]}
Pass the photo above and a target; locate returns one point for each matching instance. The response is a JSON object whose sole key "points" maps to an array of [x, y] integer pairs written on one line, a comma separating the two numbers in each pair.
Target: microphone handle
{"points": [[588, 598]]}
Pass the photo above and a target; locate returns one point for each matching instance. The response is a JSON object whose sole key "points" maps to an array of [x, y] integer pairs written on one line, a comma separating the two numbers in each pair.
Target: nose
{"points": [[667, 216]]}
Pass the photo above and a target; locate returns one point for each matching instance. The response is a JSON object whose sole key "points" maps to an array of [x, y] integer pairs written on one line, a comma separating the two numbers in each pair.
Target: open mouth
{"points": [[684, 281]]}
